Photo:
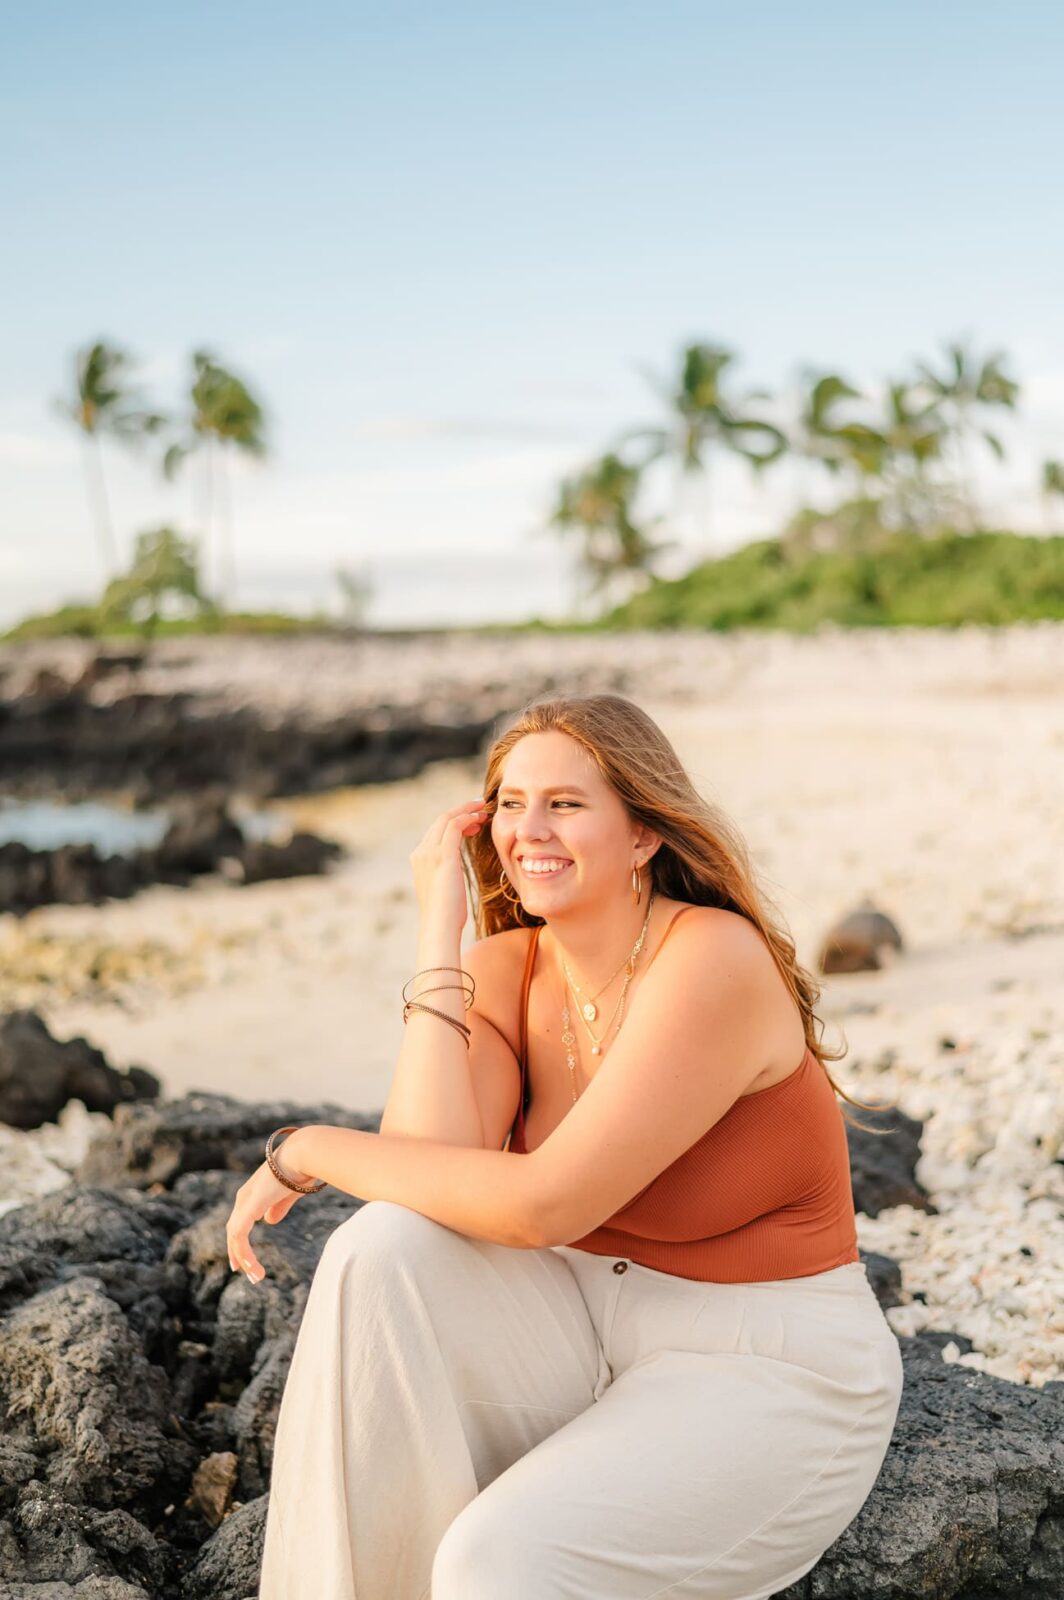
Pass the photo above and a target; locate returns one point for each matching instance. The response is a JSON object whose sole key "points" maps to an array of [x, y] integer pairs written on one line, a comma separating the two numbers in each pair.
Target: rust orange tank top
{"points": [[764, 1194]]}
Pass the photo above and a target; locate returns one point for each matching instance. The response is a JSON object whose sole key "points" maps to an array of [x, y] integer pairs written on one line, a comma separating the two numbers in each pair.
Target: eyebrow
{"points": [[561, 788]]}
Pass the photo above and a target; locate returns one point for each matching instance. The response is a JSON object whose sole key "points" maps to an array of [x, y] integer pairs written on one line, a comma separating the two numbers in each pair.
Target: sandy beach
{"points": [[924, 769]]}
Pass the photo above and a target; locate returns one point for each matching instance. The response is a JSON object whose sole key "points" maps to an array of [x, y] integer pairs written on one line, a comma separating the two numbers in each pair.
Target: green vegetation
{"points": [[901, 460], [159, 594], [939, 580], [163, 575], [89, 622], [887, 530], [597, 505]]}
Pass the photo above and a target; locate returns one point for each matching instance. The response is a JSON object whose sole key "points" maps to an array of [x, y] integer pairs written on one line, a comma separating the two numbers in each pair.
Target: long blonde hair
{"points": [[702, 858]]}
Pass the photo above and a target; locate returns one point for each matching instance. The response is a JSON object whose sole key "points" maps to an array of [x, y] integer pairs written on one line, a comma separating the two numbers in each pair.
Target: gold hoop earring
{"points": [[637, 885], [503, 880]]}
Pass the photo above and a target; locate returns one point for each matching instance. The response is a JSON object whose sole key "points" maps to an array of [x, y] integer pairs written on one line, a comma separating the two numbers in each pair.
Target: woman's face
{"points": [[553, 805]]}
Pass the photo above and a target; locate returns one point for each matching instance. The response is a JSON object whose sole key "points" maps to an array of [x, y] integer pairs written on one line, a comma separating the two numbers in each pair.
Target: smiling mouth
{"points": [[552, 872]]}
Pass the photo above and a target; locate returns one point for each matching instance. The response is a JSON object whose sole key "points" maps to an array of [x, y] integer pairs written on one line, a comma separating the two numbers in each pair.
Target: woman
{"points": [[644, 1358]]}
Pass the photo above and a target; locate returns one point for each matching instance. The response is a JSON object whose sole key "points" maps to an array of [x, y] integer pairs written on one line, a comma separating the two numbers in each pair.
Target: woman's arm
{"points": [[693, 1043], [431, 1094], [487, 1194]]}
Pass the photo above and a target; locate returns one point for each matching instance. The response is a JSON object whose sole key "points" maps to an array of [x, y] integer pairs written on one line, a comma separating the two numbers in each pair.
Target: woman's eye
{"points": [[504, 803]]}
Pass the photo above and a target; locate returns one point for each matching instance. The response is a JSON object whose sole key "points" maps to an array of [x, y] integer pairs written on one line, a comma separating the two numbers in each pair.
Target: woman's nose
{"points": [[532, 827]]}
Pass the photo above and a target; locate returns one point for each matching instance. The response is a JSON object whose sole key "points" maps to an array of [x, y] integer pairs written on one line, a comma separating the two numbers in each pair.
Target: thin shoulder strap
{"points": [[526, 984], [665, 935]]}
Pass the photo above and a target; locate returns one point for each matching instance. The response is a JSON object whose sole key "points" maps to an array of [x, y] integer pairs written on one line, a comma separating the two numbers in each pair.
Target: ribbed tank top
{"points": [[764, 1194]]}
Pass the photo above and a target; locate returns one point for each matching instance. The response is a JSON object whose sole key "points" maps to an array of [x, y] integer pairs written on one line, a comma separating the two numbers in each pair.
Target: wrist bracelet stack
{"points": [[468, 988], [415, 1005], [274, 1166]]}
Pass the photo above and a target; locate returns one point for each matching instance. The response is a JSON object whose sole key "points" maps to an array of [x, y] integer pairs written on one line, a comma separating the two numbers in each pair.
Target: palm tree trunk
{"points": [[798, 494], [100, 509], [967, 475], [209, 553], [226, 538], [707, 506]]}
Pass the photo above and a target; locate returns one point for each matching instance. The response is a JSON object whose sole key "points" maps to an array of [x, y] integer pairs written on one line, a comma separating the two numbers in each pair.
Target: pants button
{"points": [[620, 1266]]}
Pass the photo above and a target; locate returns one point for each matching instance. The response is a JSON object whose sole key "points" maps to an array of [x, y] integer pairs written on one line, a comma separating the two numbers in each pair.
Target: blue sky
{"points": [[444, 242]]}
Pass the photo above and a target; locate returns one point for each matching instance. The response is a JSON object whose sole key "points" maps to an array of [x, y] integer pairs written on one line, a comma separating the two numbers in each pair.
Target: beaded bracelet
{"points": [[289, 1183]]}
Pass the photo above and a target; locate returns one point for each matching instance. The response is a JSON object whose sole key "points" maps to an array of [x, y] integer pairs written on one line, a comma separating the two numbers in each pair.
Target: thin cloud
{"points": [[19, 448], [511, 431]]}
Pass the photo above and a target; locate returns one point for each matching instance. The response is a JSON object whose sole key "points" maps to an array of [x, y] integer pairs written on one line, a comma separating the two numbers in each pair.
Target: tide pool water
{"points": [[114, 830]]}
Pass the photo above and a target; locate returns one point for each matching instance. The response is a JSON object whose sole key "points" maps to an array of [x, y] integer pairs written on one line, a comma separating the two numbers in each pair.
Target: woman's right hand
{"points": [[437, 864]]}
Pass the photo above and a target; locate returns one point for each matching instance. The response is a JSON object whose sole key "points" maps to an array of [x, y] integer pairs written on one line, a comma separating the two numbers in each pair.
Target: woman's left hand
{"points": [[262, 1197]]}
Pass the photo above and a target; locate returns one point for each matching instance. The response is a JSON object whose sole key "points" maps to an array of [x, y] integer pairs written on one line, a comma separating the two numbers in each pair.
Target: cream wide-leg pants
{"points": [[469, 1421]]}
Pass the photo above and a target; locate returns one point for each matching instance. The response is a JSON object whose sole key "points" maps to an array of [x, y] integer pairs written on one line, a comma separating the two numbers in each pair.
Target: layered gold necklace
{"points": [[588, 1011]]}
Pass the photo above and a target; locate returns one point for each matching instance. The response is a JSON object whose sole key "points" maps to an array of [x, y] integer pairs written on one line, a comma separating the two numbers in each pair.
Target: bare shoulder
{"points": [[496, 964], [717, 931], [732, 948], [497, 953]]}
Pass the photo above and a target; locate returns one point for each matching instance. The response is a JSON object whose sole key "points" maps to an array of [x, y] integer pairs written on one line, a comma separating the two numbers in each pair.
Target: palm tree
{"points": [[815, 437], [1052, 485], [225, 416], [967, 385], [897, 450], [105, 402], [597, 502], [818, 424], [705, 417]]}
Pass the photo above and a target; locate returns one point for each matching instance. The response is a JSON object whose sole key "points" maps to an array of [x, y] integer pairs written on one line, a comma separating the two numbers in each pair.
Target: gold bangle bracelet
{"points": [[469, 985], [413, 1005], [434, 988]]}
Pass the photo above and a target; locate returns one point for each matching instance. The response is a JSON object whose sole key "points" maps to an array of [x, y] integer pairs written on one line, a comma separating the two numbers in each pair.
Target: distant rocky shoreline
{"points": [[263, 718], [285, 715], [187, 723]]}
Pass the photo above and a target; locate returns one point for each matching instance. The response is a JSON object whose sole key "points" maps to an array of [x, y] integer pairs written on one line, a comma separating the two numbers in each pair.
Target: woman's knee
{"points": [[472, 1560], [382, 1234]]}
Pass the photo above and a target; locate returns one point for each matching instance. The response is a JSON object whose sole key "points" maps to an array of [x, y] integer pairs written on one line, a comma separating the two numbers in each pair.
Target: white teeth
{"points": [[537, 870]]}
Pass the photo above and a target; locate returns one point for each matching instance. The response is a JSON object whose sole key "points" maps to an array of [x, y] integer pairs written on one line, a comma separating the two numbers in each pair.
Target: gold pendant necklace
{"points": [[589, 1011], [569, 1037]]}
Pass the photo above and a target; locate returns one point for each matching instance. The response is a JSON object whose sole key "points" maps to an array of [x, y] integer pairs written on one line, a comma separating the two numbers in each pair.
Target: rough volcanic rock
{"points": [[74, 873], [883, 1165], [66, 736], [286, 715], [140, 1382], [122, 1436], [74, 1373], [39, 1074], [298, 857], [969, 1503], [862, 941], [199, 1133], [201, 833], [203, 837], [228, 1565]]}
